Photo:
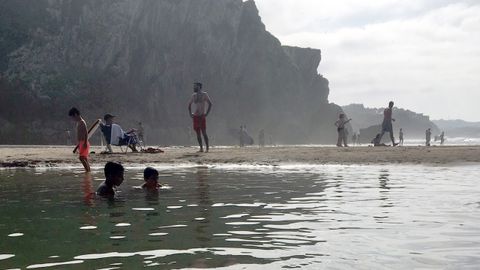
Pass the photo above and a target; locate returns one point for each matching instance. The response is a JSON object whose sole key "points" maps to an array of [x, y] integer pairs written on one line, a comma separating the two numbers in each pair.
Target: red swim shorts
{"points": [[83, 151], [199, 122]]}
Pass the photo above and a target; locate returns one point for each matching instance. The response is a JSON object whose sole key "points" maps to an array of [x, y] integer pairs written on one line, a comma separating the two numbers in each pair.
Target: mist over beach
{"points": [[239, 134]]}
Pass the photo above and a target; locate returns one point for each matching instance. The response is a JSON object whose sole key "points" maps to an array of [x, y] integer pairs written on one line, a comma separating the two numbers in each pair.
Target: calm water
{"points": [[324, 217]]}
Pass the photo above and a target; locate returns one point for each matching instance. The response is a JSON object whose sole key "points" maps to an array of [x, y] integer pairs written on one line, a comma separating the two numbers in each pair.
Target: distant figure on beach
{"points": [[442, 138], [69, 137], [377, 141], [342, 133], [199, 100], [150, 176], [261, 138], [354, 138], [400, 137], [113, 178], [428, 137], [387, 125], [82, 137], [241, 136], [141, 133]]}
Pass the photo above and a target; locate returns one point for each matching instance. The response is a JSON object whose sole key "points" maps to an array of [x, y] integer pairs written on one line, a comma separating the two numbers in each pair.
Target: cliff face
{"points": [[138, 60]]}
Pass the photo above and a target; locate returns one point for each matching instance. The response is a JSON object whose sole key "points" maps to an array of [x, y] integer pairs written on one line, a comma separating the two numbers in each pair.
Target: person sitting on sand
{"points": [[377, 141], [342, 133], [113, 178], [150, 175], [114, 134], [387, 125]]}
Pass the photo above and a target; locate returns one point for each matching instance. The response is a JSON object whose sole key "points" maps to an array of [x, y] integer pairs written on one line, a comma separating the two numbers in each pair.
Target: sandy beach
{"points": [[24, 156]]}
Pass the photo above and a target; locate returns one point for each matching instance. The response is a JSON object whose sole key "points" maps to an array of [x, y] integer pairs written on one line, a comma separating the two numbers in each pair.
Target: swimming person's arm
{"points": [[210, 104]]}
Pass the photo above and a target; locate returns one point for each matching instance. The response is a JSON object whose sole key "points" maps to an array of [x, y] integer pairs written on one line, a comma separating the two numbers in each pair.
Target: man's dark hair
{"points": [[199, 84], [149, 172], [113, 168], [73, 112], [391, 103]]}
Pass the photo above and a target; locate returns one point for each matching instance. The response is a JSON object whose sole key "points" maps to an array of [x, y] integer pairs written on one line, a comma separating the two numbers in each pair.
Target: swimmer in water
{"points": [[150, 175], [113, 178]]}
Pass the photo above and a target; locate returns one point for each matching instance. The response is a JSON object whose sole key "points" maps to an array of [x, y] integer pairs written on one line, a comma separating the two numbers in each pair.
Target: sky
{"points": [[423, 54]]}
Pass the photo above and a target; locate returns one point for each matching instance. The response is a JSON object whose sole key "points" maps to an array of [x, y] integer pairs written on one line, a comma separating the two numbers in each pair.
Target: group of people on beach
{"points": [[199, 108], [387, 126]]}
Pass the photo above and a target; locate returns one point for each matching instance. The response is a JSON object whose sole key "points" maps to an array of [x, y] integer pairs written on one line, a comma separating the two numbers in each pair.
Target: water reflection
{"points": [[204, 204], [88, 191], [341, 217]]}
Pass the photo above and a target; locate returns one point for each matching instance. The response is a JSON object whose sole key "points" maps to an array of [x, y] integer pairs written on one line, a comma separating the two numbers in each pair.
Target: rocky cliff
{"points": [[138, 60]]}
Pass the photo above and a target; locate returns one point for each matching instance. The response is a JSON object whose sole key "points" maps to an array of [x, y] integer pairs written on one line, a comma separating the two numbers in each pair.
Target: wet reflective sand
{"points": [[240, 217]]}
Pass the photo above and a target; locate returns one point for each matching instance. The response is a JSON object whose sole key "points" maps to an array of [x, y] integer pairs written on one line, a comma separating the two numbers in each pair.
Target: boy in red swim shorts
{"points": [[199, 100], [82, 137]]}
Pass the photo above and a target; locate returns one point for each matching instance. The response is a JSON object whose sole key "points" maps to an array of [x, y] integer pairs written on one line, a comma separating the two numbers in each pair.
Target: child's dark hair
{"points": [[149, 172], [113, 168], [73, 112]]}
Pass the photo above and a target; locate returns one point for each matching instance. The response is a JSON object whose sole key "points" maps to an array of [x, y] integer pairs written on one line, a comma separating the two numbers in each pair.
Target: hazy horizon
{"points": [[422, 54]]}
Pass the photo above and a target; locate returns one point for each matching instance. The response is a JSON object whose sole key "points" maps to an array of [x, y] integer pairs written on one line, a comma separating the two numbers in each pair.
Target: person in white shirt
{"points": [[114, 134]]}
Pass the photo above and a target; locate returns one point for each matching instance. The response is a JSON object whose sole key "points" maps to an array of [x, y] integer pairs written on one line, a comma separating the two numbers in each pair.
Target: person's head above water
{"points": [[150, 175], [113, 174], [390, 104], [74, 113], [197, 87]]}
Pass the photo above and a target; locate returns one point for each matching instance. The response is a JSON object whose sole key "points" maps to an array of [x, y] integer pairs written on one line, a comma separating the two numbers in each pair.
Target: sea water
{"points": [[245, 217]]}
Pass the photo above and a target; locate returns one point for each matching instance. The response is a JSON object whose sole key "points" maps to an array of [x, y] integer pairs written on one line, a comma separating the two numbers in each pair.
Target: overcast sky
{"points": [[423, 54]]}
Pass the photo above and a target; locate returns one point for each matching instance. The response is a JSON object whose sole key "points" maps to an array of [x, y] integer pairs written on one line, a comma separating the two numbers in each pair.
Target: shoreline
{"points": [[62, 156]]}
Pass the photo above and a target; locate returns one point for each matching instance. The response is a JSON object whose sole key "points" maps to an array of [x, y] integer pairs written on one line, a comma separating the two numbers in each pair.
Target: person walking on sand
{"points": [[428, 137], [387, 125], [82, 137], [261, 138], [442, 138], [400, 137], [342, 133], [199, 100]]}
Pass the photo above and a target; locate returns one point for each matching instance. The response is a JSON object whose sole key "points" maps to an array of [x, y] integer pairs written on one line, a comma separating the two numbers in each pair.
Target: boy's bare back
{"points": [[82, 132]]}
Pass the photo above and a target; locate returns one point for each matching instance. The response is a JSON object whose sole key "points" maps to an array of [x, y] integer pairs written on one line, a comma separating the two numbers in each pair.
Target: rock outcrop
{"points": [[138, 60]]}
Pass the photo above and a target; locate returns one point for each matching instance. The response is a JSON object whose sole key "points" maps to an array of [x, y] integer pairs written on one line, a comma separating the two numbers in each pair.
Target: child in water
{"points": [[113, 178], [150, 175]]}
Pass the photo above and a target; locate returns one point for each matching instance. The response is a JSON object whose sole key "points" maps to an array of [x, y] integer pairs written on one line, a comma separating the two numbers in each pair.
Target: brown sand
{"points": [[63, 156]]}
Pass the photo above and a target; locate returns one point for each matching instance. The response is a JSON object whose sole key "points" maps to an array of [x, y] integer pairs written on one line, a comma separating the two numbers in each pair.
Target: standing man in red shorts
{"points": [[199, 100]]}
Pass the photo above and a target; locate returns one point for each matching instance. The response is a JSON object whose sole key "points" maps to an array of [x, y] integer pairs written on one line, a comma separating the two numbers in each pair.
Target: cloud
{"points": [[423, 54]]}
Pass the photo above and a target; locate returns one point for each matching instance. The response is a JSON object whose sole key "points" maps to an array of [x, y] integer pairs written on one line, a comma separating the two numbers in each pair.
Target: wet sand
{"points": [[16, 156]]}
